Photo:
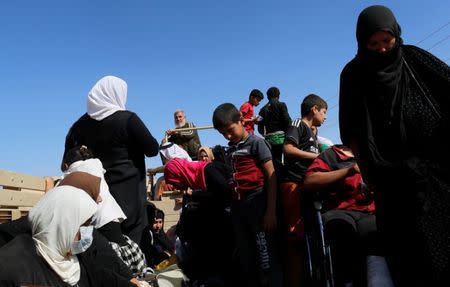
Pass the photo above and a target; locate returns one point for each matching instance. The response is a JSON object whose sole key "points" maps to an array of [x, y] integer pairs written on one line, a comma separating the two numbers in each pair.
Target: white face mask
{"points": [[85, 240]]}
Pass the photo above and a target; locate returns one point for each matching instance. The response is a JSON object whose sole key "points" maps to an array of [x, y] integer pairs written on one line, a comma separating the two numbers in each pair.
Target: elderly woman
{"points": [[48, 256], [394, 107], [121, 141]]}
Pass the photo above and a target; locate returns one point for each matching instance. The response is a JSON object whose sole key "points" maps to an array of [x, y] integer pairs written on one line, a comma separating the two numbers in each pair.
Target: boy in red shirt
{"points": [[253, 207], [348, 207], [247, 111]]}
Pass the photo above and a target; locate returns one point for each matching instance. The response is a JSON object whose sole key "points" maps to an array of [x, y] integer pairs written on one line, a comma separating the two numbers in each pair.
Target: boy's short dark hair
{"points": [[310, 101], [159, 214], [272, 93], [255, 93], [224, 115]]}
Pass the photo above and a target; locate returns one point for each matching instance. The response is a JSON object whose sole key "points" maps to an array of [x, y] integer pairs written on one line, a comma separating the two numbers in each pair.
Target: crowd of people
{"points": [[384, 192]]}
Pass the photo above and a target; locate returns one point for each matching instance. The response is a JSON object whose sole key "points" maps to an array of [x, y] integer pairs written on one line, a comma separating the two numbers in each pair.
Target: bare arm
{"points": [[290, 150], [270, 220], [317, 180]]}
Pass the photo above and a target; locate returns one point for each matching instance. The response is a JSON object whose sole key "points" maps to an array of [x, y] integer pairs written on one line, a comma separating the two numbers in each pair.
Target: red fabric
{"points": [[292, 219], [345, 194], [247, 113], [186, 173], [248, 175]]}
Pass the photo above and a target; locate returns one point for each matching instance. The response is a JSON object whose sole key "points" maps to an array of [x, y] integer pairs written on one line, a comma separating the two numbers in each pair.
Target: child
{"points": [[300, 149], [247, 111], [274, 123], [254, 199], [348, 208]]}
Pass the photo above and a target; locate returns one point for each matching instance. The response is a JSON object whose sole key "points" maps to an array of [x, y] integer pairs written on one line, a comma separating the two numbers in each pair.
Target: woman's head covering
{"points": [[108, 96], [170, 150], [84, 181], [373, 19], [108, 210], [55, 220], [207, 150], [182, 172]]}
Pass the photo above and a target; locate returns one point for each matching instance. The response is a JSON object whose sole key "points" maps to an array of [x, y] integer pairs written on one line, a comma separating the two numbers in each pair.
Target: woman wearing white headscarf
{"points": [[109, 214], [48, 256], [121, 141]]}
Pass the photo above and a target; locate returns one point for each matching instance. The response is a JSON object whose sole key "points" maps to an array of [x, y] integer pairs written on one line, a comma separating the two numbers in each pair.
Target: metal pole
{"points": [[192, 128], [188, 129]]}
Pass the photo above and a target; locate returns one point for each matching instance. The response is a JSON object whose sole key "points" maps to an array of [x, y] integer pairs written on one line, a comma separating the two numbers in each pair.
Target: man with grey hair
{"points": [[188, 139]]}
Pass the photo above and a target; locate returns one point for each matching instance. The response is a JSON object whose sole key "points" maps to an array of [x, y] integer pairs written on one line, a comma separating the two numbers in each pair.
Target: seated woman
{"points": [[103, 266], [205, 223], [48, 257], [109, 214], [162, 247]]}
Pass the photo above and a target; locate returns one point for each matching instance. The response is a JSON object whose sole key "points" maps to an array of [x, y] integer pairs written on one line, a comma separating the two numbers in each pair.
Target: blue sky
{"points": [[192, 55]]}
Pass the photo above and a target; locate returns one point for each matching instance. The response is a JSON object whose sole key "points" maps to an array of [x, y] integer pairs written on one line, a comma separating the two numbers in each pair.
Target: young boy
{"points": [[274, 123], [247, 111], [254, 199], [300, 149], [348, 216]]}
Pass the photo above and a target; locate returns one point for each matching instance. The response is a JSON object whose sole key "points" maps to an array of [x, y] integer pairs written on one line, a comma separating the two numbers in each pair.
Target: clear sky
{"points": [[188, 54]]}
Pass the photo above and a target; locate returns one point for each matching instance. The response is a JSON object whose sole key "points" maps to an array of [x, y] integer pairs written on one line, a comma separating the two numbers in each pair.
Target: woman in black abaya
{"points": [[394, 113]]}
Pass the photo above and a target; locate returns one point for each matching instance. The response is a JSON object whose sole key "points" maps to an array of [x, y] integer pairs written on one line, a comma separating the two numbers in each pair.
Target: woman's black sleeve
{"points": [[142, 136]]}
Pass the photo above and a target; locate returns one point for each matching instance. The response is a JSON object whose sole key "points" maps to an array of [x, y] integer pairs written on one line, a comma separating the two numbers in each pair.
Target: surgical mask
{"points": [[85, 240]]}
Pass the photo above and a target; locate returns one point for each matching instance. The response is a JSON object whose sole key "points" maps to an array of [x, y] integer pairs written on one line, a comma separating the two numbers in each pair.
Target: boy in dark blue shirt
{"points": [[254, 200]]}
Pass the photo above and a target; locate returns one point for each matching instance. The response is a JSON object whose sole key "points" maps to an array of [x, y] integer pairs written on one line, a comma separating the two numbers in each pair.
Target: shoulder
{"points": [[351, 68], [411, 51], [82, 120], [296, 123], [246, 106], [282, 104], [259, 147], [258, 142], [126, 114], [328, 154], [418, 56]]}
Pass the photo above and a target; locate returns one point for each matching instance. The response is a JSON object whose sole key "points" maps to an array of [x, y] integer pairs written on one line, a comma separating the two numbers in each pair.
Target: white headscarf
{"points": [[171, 150], [108, 96], [55, 220], [108, 210]]}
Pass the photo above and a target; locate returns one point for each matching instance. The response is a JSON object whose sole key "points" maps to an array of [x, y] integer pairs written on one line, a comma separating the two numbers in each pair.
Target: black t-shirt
{"points": [[275, 117], [300, 135]]}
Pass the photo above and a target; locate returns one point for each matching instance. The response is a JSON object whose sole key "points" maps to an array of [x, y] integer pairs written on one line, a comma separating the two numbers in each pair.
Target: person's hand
{"points": [[138, 283], [170, 132], [134, 281], [354, 169], [270, 221]]}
